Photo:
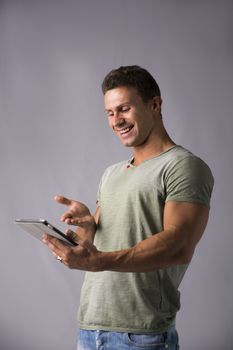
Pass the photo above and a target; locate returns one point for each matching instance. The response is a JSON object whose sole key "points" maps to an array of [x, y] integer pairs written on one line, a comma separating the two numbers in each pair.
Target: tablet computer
{"points": [[38, 228]]}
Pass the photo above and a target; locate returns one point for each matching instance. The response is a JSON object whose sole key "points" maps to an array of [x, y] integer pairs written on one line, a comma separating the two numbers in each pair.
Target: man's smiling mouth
{"points": [[125, 130]]}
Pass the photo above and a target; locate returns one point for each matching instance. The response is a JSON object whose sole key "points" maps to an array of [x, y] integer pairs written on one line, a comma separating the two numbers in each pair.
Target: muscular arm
{"points": [[184, 224]]}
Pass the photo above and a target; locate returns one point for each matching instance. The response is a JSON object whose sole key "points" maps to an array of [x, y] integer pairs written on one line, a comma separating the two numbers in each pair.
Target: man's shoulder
{"points": [[181, 155], [188, 178], [179, 152], [179, 162], [189, 167]]}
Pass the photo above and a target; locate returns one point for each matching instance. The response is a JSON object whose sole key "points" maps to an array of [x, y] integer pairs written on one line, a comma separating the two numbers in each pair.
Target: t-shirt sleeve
{"points": [[189, 180]]}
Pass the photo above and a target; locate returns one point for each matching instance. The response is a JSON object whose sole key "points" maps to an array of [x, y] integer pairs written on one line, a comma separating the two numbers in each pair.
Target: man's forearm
{"points": [[158, 251], [184, 224]]}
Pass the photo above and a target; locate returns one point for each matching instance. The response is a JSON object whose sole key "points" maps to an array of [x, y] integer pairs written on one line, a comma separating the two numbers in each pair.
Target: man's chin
{"points": [[127, 143]]}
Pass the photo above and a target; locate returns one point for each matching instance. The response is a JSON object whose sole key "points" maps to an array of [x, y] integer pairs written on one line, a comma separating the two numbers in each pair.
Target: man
{"points": [[152, 211]]}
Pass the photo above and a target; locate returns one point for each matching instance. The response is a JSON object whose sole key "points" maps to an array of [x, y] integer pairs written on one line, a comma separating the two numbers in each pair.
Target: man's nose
{"points": [[118, 119]]}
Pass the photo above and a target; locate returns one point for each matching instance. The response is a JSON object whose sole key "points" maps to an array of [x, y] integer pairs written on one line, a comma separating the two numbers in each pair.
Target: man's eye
{"points": [[125, 109], [109, 114]]}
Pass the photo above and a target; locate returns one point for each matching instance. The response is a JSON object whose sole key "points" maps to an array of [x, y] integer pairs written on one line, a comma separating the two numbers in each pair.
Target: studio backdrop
{"points": [[54, 139]]}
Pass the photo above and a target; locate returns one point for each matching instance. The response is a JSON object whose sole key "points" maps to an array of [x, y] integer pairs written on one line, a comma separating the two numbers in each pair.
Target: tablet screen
{"points": [[38, 228]]}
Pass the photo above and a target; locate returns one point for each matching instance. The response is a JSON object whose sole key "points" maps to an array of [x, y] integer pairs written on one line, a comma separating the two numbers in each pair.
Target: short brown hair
{"points": [[132, 76]]}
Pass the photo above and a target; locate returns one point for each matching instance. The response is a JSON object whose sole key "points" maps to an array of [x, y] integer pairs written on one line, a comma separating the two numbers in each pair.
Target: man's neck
{"points": [[152, 149]]}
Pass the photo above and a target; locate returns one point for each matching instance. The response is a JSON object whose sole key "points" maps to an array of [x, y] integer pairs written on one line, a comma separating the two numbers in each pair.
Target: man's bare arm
{"points": [[184, 224]]}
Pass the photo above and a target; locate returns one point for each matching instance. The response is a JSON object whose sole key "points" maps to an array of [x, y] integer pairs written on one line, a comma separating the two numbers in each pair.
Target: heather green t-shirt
{"points": [[132, 200]]}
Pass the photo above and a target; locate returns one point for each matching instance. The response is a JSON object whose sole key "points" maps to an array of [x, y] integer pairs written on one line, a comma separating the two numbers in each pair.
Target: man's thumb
{"points": [[72, 235]]}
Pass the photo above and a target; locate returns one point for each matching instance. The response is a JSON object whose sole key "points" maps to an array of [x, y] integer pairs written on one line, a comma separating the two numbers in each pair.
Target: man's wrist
{"points": [[115, 260], [89, 231]]}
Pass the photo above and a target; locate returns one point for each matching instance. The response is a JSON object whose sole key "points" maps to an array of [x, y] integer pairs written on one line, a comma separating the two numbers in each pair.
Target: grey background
{"points": [[54, 139]]}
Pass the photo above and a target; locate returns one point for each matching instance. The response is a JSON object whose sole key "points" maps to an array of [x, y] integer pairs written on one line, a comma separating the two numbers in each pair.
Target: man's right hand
{"points": [[77, 214]]}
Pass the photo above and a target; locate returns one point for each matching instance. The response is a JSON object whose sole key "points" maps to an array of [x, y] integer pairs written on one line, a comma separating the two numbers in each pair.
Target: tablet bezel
{"points": [[38, 227]]}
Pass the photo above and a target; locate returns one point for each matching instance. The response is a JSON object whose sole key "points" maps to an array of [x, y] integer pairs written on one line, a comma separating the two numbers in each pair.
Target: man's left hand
{"points": [[84, 256]]}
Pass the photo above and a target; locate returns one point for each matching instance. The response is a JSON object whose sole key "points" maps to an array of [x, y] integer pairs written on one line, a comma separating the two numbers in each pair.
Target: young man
{"points": [[152, 211]]}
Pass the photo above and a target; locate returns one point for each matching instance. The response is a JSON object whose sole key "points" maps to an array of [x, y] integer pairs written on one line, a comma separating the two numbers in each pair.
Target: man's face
{"points": [[132, 119]]}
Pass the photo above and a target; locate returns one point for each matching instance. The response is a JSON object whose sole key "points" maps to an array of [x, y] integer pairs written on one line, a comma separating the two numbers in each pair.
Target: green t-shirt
{"points": [[132, 200]]}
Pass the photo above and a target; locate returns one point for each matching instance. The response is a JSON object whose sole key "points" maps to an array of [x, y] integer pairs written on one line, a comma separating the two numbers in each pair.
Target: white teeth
{"points": [[124, 131]]}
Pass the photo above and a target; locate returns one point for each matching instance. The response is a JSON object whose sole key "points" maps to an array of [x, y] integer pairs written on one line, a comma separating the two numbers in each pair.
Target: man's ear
{"points": [[157, 103]]}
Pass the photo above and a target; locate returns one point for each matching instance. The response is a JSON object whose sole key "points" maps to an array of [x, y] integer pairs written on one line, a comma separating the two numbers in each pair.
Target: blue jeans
{"points": [[101, 340]]}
